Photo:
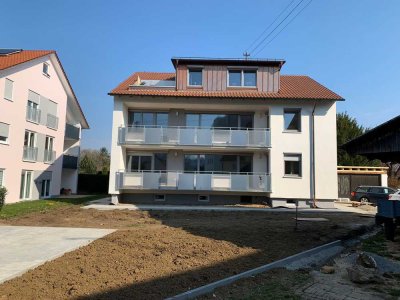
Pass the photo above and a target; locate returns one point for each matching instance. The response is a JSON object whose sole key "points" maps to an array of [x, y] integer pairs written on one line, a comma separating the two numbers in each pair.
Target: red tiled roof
{"points": [[7, 61], [291, 87]]}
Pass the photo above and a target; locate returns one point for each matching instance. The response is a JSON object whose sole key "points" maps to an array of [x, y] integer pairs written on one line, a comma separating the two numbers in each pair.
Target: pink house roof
{"points": [[8, 61]]}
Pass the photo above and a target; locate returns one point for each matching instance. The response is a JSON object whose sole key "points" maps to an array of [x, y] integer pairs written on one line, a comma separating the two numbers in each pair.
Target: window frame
{"points": [[46, 183], [2, 172], [198, 163], [12, 89], [154, 118], [30, 134], [152, 156], [300, 161], [189, 69], [292, 110], [7, 138], [25, 172], [47, 71], [242, 70]]}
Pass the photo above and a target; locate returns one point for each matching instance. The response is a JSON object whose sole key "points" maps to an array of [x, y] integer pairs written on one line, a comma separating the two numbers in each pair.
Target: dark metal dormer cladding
{"points": [[222, 74]]}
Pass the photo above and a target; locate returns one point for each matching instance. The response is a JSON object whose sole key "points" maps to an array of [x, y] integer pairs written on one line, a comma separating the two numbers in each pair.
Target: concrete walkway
{"points": [[23, 248], [104, 204]]}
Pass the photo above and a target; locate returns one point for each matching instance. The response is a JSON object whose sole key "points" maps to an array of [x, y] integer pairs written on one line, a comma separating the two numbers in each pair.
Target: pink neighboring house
{"points": [[40, 125]]}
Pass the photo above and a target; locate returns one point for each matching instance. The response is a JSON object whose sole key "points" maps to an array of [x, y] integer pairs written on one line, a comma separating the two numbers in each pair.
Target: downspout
{"points": [[176, 75], [312, 173]]}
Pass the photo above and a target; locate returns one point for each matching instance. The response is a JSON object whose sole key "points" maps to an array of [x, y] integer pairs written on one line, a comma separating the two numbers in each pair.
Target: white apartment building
{"points": [[223, 131], [40, 126]]}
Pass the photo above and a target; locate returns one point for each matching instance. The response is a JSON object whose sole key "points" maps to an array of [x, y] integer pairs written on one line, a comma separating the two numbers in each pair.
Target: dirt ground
{"points": [[158, 254]]}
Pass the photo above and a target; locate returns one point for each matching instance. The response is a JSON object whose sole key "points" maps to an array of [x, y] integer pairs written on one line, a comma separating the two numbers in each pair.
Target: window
{"points": [[30, 139], [48, 149], [8, 89], [1, 177], [45, 189], [4, 130], [204, 198], [158, 197], [32, 112], [292, 165], [46, 69], [220, 121], [136, 118], [157, 161], [26, 182], [292, 118], [217, 163], [30, 150], [242, 78], [195, 77]]}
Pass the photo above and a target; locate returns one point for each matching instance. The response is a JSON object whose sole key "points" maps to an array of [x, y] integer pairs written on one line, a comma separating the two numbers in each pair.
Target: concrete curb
{"points": [[205, 289]]}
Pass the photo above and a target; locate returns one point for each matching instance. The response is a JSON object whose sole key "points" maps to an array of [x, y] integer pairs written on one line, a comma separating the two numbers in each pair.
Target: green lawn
{"points": [[25, 207]]}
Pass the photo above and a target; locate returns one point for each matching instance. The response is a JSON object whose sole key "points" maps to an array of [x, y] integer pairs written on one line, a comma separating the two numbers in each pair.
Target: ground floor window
{"points": [[1, 177], [147, 162], [26, 183], [292, 165], [45, 189], [217, 163]]}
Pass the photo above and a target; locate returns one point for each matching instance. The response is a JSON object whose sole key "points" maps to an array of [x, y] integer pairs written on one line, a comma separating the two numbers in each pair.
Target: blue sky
{"points": [[351, 46]]}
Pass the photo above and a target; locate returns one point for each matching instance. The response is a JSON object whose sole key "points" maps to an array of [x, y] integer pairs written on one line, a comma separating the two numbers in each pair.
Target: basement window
{"points": [[204, 198], [159, 197]]}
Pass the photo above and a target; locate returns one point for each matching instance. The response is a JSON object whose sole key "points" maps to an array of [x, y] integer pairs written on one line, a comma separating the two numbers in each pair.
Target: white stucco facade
{"points": [[270, 160], [52, 95]]}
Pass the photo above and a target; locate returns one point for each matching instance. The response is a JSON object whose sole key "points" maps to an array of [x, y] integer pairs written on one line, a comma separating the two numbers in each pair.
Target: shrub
{"points": [[3, 193]]}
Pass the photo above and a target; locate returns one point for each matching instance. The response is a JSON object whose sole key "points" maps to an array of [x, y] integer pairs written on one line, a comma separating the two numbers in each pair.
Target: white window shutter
{"points": [[8, 89]]}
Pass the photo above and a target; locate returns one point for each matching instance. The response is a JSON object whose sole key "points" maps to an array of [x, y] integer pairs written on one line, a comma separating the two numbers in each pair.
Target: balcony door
{"points": [[216, 163], [26, 183], [146, 162], [45, 189], [30, 139], [150, 119], [48, 149], [221, 121]]}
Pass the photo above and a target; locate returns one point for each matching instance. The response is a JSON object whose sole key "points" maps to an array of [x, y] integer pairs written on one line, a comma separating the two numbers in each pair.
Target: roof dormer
{"points": [[221, 74]]}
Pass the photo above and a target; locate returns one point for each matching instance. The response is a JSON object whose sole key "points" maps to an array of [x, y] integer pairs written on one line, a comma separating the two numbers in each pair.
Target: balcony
{"points": [[180, 181], [70, 162], [52, 121], [72, 132], [49, 156], [195, 136], [30, 153], [33, 114]]}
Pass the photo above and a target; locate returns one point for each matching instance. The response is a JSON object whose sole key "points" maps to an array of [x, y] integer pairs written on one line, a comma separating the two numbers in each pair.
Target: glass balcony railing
{"points": [[49, 156], [195, 136], [72, 132], [33, 114], [30, 153], [180, 181]]}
